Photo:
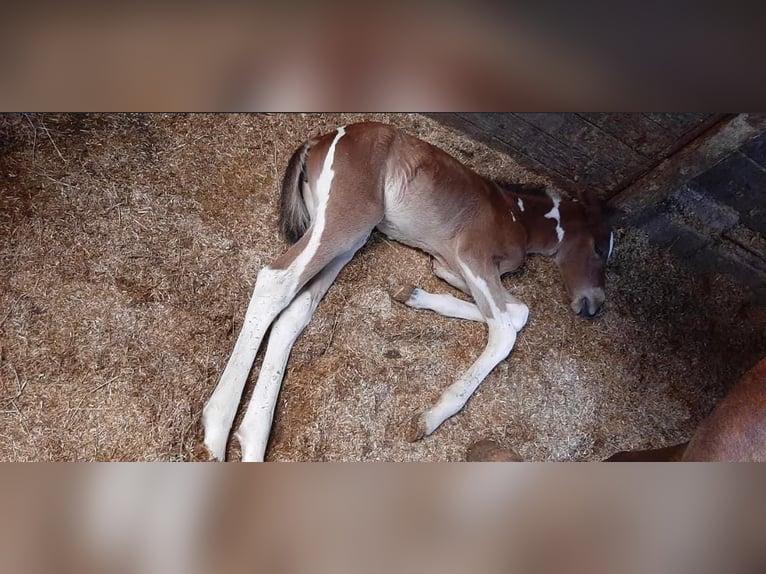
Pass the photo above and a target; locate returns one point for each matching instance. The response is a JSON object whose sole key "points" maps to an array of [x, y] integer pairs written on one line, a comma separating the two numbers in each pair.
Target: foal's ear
{"points": [[598, 210], [586, 196], [593, 206], [612, 216]]}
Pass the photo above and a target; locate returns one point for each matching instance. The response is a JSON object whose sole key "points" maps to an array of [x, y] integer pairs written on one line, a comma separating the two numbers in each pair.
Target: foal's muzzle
{"points": [[586, 313], [589, 304]]}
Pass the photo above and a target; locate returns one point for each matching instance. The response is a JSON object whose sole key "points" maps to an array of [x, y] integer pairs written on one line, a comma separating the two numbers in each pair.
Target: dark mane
{"points": [[596, 207], [534, 189]]}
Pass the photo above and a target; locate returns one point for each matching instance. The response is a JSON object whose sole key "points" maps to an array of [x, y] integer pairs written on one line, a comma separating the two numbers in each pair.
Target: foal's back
{"points": [[430, 200]]}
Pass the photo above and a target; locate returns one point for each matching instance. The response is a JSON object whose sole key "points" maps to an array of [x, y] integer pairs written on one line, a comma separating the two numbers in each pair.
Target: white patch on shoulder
{"points": [[555, 214], [520, 203], [611, 245]]}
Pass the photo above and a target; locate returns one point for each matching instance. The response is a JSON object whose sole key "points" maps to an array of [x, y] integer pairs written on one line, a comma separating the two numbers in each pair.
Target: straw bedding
{"points": [[130, 245]]}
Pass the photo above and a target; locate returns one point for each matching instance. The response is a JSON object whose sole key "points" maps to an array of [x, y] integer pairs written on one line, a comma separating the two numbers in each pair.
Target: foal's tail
{"points": [[294, 217]]}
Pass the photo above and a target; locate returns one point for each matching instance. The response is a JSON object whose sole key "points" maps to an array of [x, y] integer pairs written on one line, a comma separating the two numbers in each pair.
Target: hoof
{"points": [[214, 453], [403, 295], [415, 428], [215, 444], [202, 454], [215, 430], [490, 451], [250, 450], [196, 450]]}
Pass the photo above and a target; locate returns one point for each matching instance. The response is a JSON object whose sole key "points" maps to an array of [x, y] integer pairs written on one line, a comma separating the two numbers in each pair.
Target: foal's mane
{"points": [[533, 189], [595, 210]]}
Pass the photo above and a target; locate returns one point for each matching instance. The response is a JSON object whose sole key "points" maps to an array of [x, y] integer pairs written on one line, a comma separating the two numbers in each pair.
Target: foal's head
{"points": [[585, 248]]}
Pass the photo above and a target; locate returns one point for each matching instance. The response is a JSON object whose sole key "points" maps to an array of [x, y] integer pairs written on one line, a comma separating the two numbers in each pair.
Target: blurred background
{"points": [[479, 518], [347, 56], [392, 57]]}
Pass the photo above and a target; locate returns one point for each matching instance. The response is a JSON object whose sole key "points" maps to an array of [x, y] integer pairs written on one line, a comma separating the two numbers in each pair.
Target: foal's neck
{"points": [[543, 216]]}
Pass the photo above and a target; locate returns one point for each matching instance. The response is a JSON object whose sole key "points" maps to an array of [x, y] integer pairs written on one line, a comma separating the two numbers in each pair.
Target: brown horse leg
{"points": [[667, 454]]}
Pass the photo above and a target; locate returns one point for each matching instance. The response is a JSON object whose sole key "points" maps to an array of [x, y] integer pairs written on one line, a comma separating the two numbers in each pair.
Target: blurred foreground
{"points": [[370, 518], [443, 56]]}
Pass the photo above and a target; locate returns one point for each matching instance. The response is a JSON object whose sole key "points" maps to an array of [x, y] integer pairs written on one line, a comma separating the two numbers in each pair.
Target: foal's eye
{"points": [[603, 249]]}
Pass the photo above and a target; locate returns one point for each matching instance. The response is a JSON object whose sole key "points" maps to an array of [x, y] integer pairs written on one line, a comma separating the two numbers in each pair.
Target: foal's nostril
{"points": [[585, 313], [582, 307]]}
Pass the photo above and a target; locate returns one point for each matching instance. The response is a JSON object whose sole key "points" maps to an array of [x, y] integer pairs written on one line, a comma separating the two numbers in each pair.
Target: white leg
{"points": [[449, 306], [502, 337], [445, 274], [505, 316], [445, 305], [273, 290], [253, 433]]}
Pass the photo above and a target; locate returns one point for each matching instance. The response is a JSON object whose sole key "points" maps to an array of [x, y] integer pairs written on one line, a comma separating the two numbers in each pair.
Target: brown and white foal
{"points": [[341, 186]]}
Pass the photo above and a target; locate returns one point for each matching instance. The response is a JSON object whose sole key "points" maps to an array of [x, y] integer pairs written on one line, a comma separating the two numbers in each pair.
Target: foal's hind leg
{"points": [[505, 316], [253, 433], [276, 286]]}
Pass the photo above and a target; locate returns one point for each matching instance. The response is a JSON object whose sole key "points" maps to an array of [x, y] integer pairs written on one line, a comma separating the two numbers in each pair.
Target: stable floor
{"points": [[129, 246]]}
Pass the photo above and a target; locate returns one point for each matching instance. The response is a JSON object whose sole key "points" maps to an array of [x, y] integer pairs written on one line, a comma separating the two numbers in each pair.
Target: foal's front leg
{"points": [[443, 272], [505, 316], [445, 305]]}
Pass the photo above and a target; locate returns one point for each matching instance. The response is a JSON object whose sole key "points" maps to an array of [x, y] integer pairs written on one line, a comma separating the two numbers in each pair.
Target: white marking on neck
{"points": [[520, 203], [322, 193], [611, 245], [555, 214]]}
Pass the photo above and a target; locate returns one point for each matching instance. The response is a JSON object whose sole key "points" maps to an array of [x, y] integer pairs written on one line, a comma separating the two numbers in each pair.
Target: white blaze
{"points": [[520, 203], [555, 214]]}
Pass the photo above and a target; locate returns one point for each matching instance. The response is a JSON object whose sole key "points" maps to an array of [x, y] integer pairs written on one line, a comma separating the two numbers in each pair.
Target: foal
{"points": [[341, 186]]}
